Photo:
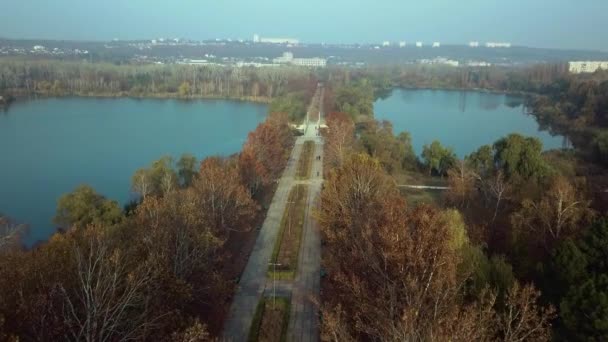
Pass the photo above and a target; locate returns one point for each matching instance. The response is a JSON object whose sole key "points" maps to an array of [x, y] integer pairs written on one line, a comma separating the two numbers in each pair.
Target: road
{"points": [[303, 323], [254, 284], [253, 280]]}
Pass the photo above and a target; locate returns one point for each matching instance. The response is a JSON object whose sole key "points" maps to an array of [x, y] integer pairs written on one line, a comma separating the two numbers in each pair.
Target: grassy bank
{"points": [[271, 320], [305, 161], [287, 247]]}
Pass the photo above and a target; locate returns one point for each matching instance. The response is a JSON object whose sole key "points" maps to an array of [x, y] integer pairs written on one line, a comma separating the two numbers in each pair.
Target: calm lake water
{"points": [[49, 147], [463, 120]]}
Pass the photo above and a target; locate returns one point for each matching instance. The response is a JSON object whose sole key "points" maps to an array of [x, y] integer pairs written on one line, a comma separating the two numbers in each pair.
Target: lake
{"points": [[48, 147], [463, 120]]}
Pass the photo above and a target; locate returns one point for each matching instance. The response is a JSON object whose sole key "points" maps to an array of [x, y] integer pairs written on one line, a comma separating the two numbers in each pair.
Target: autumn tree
{"points": [[461, 181], [522, 318], [339, 138], [9, 233], [560, 213], [187, 169], [184, 89], [226, 205], [109, 300], [84, 206], [176, 235], [394, 153], [265, 152], [158, 179], [252, 172], [78, 286], [394, 272], [141, 183]]}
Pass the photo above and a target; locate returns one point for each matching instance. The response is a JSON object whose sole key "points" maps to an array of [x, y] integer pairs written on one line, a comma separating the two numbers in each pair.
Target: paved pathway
{"points": [[430, 187], [253, 279], [303, 324]]}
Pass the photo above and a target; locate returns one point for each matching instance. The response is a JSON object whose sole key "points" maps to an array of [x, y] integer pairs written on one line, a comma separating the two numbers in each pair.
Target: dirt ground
{"points": [[292, 225], [274, 320]]}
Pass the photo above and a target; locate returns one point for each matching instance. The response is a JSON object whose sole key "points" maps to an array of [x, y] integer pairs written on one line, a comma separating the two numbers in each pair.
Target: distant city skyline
{"points": [[563, 24]]}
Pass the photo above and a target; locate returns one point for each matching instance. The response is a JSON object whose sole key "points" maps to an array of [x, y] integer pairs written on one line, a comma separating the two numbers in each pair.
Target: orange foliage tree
{"points": [[393, 273], [339, 138], [265, 152]]}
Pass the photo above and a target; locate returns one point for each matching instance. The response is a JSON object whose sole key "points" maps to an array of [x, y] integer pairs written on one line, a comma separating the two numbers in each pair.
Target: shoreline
{"points": [[160, 96], [478, 90]]}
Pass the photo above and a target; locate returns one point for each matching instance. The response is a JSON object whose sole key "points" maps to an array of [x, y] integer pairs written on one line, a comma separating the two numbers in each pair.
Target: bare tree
{"points": [[523, 319], [9, 233], [462, 184], [556, 215], [141, 183], [498, 189], [109, 301]]}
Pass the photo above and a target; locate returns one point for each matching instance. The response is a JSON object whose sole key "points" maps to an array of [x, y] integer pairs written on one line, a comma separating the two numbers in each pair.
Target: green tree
{"points": [[520, 157], [580, 269], [158, 179], [584, 310], [438, 158], [482, 160], [356, 100], [394, 153], [187, 169], [600, 147], [184, 89], [485, 272], [293, 104], [409, 156], [84, 206]]}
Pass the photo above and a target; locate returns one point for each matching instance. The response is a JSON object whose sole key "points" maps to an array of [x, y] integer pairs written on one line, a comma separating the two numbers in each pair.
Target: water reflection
{"points": [[463, 120]]}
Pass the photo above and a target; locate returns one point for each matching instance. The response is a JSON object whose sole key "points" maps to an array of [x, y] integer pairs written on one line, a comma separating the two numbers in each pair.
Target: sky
{"points": [[566, 24]]}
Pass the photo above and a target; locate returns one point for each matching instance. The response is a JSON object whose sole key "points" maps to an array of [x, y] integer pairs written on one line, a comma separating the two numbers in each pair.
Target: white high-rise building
{"points": [[402, 44], [586, 66], [288, 58], [386, 43], [418, 44], [436, 44], [291, 41], [473, 44], [498, 45], [256, 38]]}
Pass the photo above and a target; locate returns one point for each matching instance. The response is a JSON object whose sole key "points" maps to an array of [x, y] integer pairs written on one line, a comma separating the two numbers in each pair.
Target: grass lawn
{"points": [[287, 247], [305, 161], [271, 320], [419, 178], [422, 196]]}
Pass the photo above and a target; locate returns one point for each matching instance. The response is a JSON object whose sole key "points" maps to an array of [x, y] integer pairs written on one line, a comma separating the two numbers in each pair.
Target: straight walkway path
{"points": [[304, 318], [253, 281]]}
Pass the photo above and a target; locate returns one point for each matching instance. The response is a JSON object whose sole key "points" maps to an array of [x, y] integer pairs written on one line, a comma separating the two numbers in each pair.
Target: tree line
{"points": [[577, 107], [60, 78]]}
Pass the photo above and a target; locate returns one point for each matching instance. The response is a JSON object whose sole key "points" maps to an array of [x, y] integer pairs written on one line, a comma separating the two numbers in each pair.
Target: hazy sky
{"points": [[541, 23]]}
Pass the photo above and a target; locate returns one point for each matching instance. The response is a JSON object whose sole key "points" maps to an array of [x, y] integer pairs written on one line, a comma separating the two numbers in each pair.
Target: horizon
{"points": [[393, 44], [538, 24]]}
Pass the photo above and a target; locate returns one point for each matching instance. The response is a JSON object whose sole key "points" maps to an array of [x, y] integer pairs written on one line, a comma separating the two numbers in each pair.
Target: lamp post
{"points": [[289, 215], [274, 282]]}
